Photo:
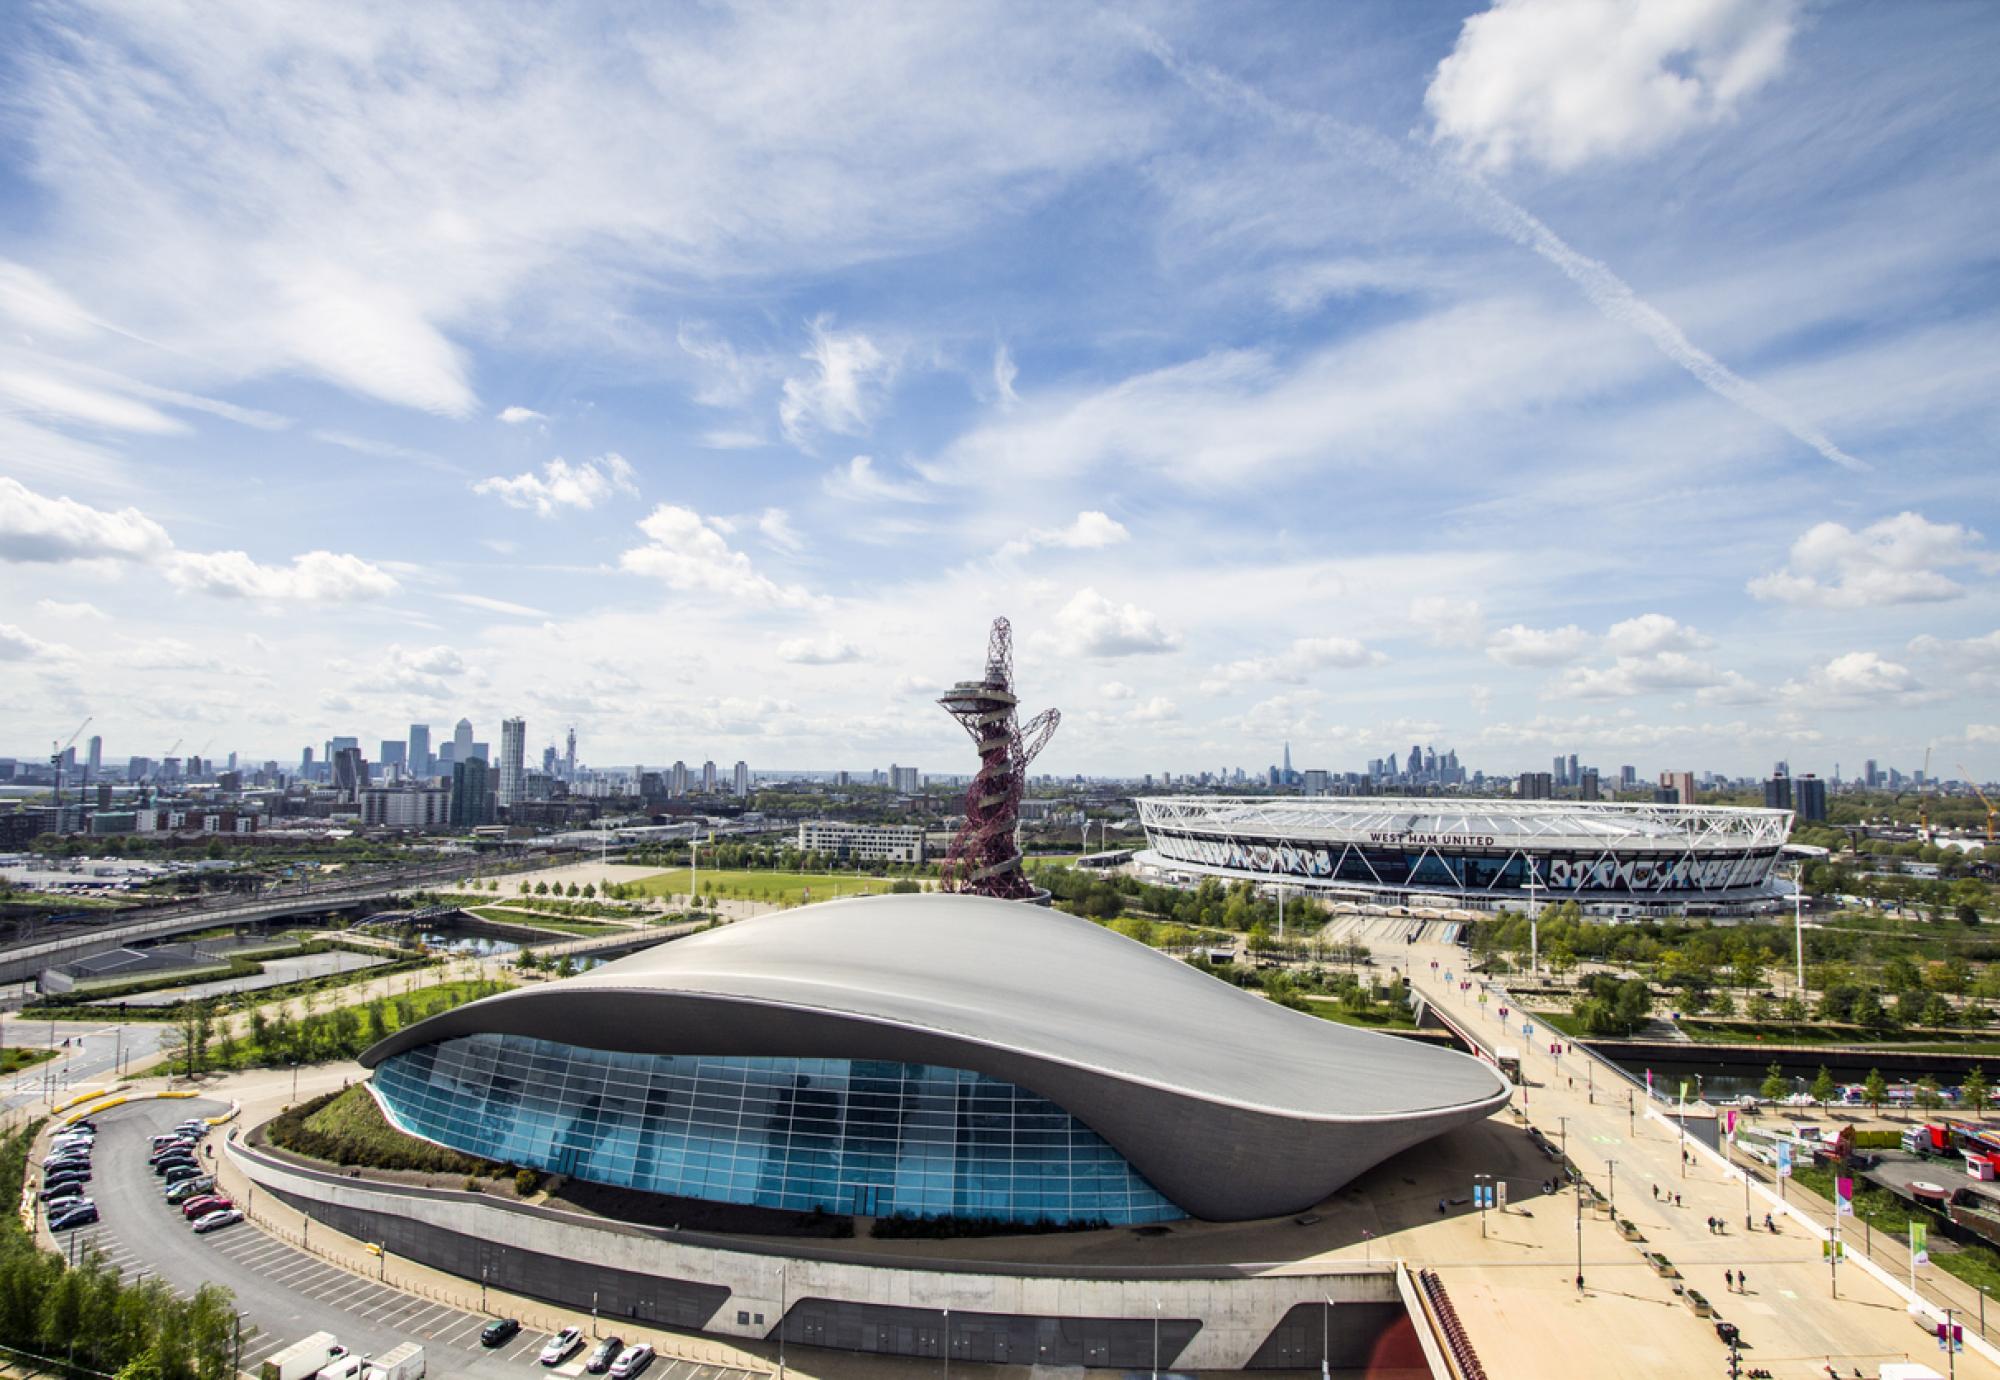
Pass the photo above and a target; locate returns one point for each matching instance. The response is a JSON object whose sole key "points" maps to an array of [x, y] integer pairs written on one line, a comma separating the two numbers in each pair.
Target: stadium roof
{"points": [[1501, 823]]}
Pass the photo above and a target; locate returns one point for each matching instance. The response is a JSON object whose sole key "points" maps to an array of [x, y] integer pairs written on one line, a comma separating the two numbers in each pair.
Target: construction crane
{"points": [[56, 751], [1991, 813]]}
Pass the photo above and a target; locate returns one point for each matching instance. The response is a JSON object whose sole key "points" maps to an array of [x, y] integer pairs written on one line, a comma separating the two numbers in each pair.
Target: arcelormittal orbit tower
{"points": [[985, 859]]}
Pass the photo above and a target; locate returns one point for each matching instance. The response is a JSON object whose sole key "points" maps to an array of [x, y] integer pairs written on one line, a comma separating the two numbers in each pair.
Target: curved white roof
{"points": [[1036, 981]]}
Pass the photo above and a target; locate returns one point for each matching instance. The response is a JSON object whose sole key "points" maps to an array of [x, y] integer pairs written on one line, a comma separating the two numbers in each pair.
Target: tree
{"points": [[1561, 960], [1976, 1092], [1721, 1004], [1757, 1007], [1824, 1089], [1793, 1008], [1875, 1088], [589, 891], [1774, 1084], [1928, 1097], [541, 888]]}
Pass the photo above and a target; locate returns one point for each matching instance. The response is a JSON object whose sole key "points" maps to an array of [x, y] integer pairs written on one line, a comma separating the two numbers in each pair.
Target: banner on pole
{"points": [[1684, 1092], [1729, 1120], [1784, 1160], [1919, 1244], [1833, 1250], [1843, 1197], [1501, 1195]]}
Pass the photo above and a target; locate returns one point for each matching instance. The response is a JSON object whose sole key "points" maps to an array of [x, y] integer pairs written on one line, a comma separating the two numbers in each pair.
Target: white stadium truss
{"points": [[1577, 848]]}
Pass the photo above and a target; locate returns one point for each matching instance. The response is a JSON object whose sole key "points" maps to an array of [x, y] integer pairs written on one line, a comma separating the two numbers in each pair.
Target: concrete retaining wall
{"points": [[1217, 1317]]}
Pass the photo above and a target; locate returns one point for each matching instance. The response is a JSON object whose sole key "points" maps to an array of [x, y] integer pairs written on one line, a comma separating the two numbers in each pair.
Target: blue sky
{"points": [[1607, 378]]}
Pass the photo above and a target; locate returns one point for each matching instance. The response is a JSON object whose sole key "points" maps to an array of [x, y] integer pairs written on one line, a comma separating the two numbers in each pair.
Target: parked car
{"points": [[78, 1214], [181, 1173], [190, 1188], [499, 1331], [181, 1162], [55, 1163], [66, 1176], [61, 1194], [603, 1354], [195, 1208], [215, 1221], [558, 1348], [632, 1361]]}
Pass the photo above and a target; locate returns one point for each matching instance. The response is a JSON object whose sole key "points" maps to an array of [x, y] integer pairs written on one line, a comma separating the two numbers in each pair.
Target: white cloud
{"points": [[16, 645], [62, 400], [842, 392], [56, 608], [1857, 680], [829, 649], [481, 601], [36, 528], [859, 481], [689, 552], [1448, 622], [775, 526], [1971, 653], [1091, 531], [516, 414], [724, 438], [1652, 633], [1733, 687], [1296, 664], [316, 577], [1158, 709], [1005, 371], [1635, 675], [1568, 82], [1982, 733], [1519, 645], [563, 485], [1094, 626], [1899, 560], [1116, 690]]}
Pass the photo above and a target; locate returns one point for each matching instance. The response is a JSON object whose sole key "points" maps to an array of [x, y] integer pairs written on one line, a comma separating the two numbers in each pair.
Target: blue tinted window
{"points": [[860, 1136]]}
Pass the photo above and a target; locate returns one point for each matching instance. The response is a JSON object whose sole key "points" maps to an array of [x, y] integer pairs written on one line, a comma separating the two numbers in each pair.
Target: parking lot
{"points": [[283, 1292]]}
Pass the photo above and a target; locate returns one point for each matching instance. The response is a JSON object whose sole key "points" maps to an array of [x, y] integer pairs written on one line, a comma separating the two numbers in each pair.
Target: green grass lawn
{"points": [[527, 919], [775, 887], [1381, 1016], [14, 1058]]}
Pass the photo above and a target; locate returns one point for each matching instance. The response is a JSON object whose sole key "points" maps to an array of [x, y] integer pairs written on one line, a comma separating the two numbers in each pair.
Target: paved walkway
{"points": [[1795, 1317]]}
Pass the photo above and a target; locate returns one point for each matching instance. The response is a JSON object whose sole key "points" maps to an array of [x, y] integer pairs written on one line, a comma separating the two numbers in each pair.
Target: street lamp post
{"points": [[1611, 1172], [1156, 1339], [1476, 1178], [1325, 1342], [781, 1320], [1562, 1129], [947, 1344], [1576, 1185]]}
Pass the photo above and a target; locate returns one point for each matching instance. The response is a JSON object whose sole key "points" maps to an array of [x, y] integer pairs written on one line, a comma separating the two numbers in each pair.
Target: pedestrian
{"points": [[1729, 1281], [1677, 1200], [1656, 1193], [1742, 1282]]}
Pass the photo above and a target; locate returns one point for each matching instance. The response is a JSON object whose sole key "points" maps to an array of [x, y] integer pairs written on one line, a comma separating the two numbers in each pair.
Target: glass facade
{"points": [[856, 1136]]}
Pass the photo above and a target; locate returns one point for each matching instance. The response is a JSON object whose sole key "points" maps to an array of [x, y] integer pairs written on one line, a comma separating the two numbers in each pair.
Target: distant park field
{"points": [[758, 885]]}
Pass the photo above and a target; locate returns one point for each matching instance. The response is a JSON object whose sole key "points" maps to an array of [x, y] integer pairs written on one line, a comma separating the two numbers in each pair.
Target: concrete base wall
{"points": [[1208, 1317]]}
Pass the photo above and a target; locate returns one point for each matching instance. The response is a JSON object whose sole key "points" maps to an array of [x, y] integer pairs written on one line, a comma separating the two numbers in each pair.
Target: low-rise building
{"points": [[897, 843]]}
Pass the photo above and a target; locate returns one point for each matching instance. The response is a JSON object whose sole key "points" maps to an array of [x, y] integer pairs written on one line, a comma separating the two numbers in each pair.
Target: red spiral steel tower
{"points": [[985, 859]]}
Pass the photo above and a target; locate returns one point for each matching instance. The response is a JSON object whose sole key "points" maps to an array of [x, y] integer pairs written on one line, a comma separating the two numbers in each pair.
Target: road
{"points": [[92, 1057], [282, 1292]]}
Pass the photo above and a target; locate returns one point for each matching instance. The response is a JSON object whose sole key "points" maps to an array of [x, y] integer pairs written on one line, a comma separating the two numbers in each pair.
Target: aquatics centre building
{"points": [[925, 1056], [1612, 857]]}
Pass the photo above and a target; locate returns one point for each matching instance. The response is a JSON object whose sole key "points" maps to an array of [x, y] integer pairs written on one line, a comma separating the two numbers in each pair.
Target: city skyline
{"points": [[1305, 378]]}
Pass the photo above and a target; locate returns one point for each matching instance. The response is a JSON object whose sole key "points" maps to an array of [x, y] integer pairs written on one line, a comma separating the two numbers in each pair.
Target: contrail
{"points": [[1471, 194]]}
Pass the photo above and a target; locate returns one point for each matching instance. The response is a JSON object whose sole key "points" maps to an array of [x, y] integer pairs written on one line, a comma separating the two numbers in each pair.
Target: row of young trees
{"points": [[206, 1040], [1974, 1091]]}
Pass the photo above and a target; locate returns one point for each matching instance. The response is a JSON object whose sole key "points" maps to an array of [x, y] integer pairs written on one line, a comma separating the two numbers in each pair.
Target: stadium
{"points": [[927, 1056], [1612, 858]]}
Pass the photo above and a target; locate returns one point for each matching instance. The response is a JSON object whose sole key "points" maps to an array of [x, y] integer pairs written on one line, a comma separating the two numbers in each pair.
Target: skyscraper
{"points": [[469, 797], [741, 780], [513, 767], [1416, 760], [1681, 783], [392, 753], [420, 751], [708, 778], [1809, 798], [94, 760], [677, 779], [569, 756], [461, 741]]}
